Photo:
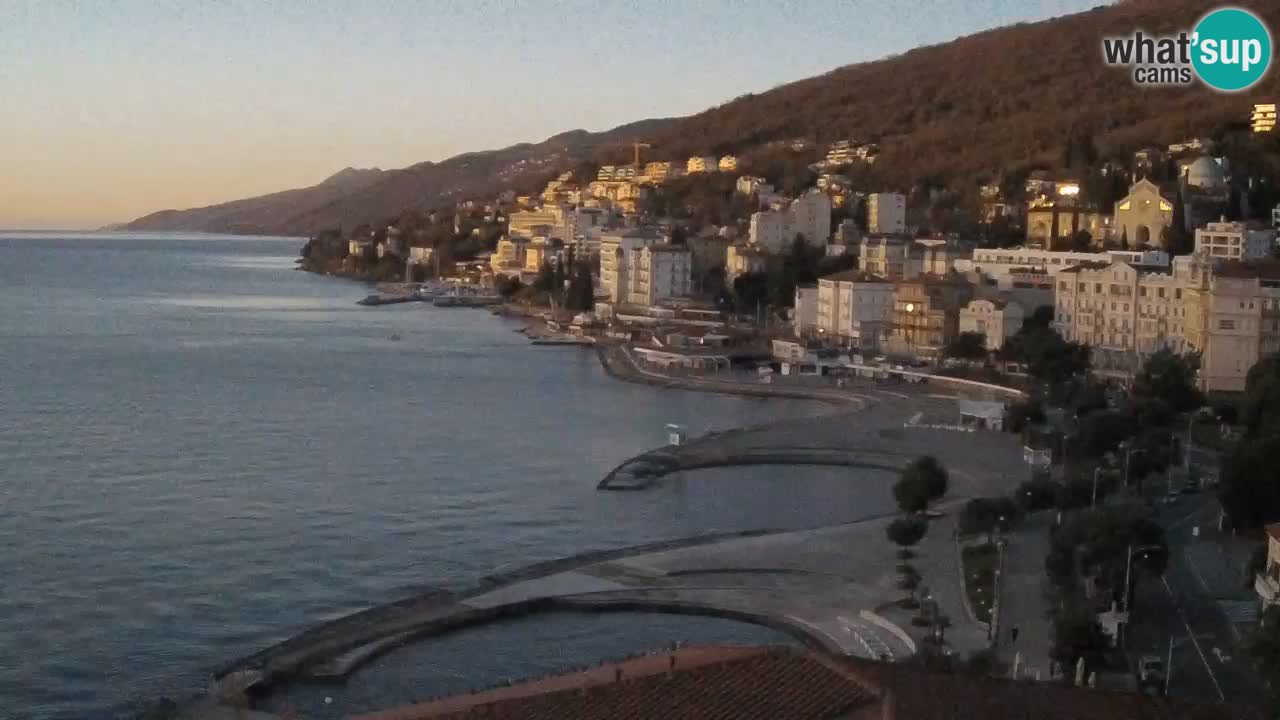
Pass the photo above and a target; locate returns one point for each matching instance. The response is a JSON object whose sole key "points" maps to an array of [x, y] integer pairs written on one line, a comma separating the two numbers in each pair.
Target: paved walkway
{"points": [[1022, 598], [834, 586]]}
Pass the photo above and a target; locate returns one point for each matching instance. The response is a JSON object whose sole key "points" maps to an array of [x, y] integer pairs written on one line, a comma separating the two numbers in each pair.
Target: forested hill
{"points": [[996, 101], [974, 108]]}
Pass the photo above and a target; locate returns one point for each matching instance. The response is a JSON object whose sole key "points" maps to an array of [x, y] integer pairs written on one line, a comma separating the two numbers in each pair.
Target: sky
{"points": [[111, 110]]}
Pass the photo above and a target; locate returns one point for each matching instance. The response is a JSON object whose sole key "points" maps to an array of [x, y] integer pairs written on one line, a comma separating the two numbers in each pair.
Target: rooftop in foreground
{"points": [[784, 682]]}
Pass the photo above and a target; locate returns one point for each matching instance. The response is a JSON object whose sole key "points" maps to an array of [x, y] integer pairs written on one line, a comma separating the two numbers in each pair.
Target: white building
{"points": [[1234, 241], [886, 213], [997, 319], [614, 258], [810, 216], [805, 316], [1004, 264], [658, 272], [728, 163], [855, 309], [705, 163], [770, 230]]}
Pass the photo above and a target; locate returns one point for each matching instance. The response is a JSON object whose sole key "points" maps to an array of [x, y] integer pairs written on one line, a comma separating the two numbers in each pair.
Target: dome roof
{"points": [[1205, 172]]}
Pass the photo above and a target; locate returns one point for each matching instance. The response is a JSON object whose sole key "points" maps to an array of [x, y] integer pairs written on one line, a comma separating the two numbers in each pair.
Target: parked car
{"points": [[1151, 672]]}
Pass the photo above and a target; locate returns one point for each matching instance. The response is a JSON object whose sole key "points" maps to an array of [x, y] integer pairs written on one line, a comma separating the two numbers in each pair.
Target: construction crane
{"points": [[637, 146]]}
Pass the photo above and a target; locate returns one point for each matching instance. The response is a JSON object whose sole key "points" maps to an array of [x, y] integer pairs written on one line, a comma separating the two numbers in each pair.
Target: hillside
{"points": [[352, 197], [1001, 100], [982, 106], [265, 214]]}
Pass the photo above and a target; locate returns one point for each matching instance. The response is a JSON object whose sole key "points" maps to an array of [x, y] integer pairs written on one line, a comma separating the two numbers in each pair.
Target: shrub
{"points": [[983, 515]]}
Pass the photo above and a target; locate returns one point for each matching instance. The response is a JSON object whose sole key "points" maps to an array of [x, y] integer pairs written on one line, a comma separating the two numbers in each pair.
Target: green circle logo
{"points": [[1231, 49]]}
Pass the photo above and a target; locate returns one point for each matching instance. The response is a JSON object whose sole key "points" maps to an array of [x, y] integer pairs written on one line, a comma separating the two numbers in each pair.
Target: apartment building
{"points": [[538, 252], [532, 223], [742, 258], [700, 164], [998, 319], [804, 316], [854, 309], [885, 256], [615, 249], [926, 314], [808, 215], [510, 255], [1226, 311], [657, 272], [659, 172], [1233, 319], [770, 230], [897, 257], [1234, 241], [1123, 312], [886, 213], [728, 163]]}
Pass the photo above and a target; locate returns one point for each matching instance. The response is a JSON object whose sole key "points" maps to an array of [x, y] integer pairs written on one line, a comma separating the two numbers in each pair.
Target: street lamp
{"points": [[1128, 458], [1186, 456], [1093, 501]]}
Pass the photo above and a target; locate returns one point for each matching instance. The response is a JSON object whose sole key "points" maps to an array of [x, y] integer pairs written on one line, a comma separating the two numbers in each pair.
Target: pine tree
{"points": [[1179, 242]]}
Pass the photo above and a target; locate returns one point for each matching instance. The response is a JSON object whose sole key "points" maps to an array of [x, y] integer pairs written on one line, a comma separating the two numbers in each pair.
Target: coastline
{"points": [[337, 648]]}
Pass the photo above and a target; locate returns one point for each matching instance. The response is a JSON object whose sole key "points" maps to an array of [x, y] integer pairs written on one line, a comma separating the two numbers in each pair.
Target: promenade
{"points": [[833, 588]]}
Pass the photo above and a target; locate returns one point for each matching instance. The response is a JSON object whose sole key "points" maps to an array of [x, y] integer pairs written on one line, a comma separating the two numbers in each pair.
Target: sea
{"points": [[204, 450]]}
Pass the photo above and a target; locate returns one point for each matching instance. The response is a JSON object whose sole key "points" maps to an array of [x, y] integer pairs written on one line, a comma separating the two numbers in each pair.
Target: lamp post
{"points": [[1128, 458], [1093, 501], [1186, 450]]}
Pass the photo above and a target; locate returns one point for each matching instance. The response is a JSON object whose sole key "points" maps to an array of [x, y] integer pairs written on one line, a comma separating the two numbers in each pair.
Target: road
{"points": [[1190, 605], [1023, 602]]}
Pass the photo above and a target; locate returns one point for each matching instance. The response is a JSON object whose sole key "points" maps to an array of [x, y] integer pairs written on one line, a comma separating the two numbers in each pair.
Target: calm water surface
{"points": [[203, 450]]}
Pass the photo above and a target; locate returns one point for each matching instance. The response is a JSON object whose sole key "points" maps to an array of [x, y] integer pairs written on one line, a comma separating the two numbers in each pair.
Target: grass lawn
{"points": [[979, 566]]}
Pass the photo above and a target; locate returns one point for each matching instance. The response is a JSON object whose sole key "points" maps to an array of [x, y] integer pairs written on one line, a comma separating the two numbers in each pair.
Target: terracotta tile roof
{"points": [[746, 683], [784, 682]]}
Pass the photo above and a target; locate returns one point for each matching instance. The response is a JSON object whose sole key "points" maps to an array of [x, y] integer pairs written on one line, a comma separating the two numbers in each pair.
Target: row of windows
{"points": [[1220, 239]]}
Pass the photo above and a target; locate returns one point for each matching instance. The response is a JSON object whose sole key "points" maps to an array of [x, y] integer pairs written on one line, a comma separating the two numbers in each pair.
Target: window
{"points": [[1177, 293], [1142, 292], [1226, 324], [1097, 287], [1160, 292]]}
